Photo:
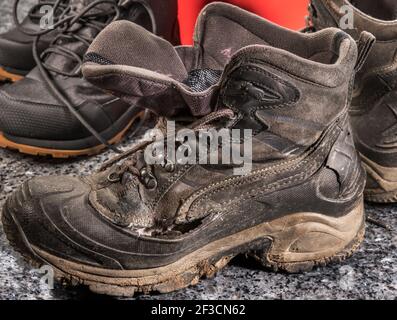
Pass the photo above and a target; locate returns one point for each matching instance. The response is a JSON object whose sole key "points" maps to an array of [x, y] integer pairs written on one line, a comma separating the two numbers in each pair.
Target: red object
{"points": [[288, 13]]}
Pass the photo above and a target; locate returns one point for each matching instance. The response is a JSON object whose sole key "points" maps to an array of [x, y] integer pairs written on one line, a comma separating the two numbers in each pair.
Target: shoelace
{"points": [[64, 25], [145, 173]]}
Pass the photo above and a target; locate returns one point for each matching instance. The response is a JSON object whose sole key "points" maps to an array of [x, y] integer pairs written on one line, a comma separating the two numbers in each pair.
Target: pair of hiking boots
{"points": [[141, 227]]}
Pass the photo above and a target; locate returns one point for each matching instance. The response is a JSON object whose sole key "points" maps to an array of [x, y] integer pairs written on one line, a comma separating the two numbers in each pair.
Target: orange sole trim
{"points": [[64, 154], [4, 75]]}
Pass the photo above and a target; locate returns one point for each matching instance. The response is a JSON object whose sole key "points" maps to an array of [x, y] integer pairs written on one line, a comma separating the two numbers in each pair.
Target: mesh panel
{"points": [[201, 79], [96, 58], [34, 120], [329, 185]]}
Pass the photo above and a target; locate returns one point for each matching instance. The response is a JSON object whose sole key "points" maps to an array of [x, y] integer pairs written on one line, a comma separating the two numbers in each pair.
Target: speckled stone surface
{"points": [[370, 274]]}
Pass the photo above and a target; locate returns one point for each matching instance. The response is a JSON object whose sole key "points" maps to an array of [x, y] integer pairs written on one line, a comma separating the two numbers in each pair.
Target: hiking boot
{"points": [[53, 110], [374, 108], [140, 227], [16, 55]]}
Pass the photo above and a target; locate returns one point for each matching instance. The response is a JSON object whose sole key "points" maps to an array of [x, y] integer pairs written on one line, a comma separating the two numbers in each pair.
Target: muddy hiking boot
{"points": [[16, 55], [139, 227], [374, 107], [53, 110]]}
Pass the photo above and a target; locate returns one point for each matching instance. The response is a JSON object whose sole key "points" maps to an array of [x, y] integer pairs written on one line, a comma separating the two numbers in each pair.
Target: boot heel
{"points": [[306, 240], [381, 183]]}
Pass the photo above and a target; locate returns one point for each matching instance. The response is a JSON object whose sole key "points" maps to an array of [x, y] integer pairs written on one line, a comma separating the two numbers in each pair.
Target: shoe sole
{"points": [[296, 243], [65, 154], [7, 76], [386, 180]]}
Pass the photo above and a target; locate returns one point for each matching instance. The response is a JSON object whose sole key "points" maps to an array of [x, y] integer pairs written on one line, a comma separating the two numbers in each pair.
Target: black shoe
{"points": [[16, 56], [53, 110]]}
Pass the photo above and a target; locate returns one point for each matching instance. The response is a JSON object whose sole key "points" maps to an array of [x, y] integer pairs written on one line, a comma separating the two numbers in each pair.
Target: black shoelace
{"points": [[63, 24]]}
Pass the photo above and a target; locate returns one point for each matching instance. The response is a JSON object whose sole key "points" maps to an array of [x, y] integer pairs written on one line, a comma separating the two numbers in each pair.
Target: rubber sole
{"points": [[385, 180], [9, 77], [65, 154], [295, 243]]}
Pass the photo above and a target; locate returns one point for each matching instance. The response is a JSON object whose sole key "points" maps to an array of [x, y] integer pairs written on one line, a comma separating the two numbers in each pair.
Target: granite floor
{"points": [[370, 274]]}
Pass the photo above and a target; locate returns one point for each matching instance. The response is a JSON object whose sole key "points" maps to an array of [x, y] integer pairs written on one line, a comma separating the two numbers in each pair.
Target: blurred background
{"points": [[288, 13]]}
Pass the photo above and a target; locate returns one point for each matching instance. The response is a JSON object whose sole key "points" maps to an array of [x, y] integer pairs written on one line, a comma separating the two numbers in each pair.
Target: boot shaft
{"points": [[378, 75], [287, 108]]}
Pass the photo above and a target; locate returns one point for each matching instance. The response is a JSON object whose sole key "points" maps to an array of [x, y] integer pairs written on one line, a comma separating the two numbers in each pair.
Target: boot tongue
{"points": [[68, 63]]}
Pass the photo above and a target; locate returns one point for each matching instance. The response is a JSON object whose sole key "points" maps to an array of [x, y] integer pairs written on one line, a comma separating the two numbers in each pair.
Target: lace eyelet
{"points": [[144, 172], [113, 177], [168, 166], [148, 179], [151, 184]]}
